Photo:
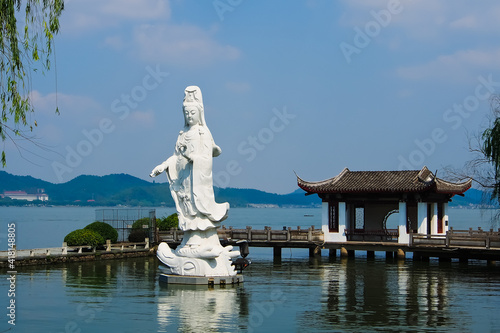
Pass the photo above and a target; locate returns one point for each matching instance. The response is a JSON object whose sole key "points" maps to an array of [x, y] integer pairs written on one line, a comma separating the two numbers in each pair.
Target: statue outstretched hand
{"points": [[158, 170]]}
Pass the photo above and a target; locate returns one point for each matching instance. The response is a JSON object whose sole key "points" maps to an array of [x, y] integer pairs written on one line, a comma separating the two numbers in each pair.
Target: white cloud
{"points": [[238, 87], [46, 104], [76, 113], [115, 42], [142, 118], [135, 9], [81, 16], [466, 22], [180, 44], [426, 19], [145, 33], [462, 65], [482, 17]]}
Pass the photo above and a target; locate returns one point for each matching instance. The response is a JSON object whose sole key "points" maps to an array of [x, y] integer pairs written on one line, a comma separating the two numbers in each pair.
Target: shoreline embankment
{"points": [[58, 255]]}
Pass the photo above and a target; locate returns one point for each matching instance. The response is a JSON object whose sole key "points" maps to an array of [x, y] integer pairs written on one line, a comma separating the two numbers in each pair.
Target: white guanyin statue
{"points": [[189, 173]]}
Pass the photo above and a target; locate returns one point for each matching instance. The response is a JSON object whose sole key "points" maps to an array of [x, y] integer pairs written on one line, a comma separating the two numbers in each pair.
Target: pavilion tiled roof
{"points": [[384, 181]]}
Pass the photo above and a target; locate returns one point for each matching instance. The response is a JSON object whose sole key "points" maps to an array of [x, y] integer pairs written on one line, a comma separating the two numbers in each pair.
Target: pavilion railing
{"points": [[255, 235], [459, 238], [383, 235]]}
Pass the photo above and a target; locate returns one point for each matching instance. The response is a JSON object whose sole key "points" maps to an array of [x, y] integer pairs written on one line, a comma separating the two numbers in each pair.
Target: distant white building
{"points": [[22, 195]]}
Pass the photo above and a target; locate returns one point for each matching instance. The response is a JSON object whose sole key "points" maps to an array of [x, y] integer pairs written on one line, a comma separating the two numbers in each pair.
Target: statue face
{"points": [[192, 115]]}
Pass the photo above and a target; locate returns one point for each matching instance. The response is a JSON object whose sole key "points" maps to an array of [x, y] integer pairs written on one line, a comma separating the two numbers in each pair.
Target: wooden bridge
{"points": [[310, 238], [460, 244]]}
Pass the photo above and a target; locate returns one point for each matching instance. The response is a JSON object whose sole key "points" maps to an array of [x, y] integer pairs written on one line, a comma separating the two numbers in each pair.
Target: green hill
{"points": [[10, 182], [123, 189]]}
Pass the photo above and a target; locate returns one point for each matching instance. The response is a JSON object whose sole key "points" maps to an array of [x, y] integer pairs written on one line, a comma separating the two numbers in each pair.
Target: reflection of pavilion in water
{"points": [[201, 309], [357, 296]]}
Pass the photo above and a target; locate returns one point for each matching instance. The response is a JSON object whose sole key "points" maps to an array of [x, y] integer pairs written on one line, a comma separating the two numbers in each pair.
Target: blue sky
{"points": [[306, 86]]}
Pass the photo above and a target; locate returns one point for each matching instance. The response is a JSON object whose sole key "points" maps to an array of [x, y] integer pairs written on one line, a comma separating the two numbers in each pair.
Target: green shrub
{"points": [[137, 235], [105, 230], [167, 223], [140, 222], [84, 237]]}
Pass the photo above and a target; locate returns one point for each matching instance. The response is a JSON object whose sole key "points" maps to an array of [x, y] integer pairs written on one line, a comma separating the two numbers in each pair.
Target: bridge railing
{"points": [[255, 235], [459, 238]]}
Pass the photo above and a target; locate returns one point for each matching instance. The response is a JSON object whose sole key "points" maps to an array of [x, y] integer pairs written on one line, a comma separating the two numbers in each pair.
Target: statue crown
{"points": [[192, 95]]}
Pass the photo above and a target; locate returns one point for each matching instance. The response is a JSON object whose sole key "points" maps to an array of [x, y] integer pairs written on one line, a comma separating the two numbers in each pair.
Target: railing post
{"points": [[309, 235], [447, 242], [268, 234], [249, 233], [289, 234], [64, 248]]}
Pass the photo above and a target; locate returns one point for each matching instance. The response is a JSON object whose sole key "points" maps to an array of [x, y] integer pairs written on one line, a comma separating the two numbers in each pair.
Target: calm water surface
{"points": [[39, 227], [296, 294]]}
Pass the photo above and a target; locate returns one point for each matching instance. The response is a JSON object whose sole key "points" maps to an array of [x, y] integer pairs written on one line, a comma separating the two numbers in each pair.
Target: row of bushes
{"points": [[93, 234], [139, 227], [97, 233]]}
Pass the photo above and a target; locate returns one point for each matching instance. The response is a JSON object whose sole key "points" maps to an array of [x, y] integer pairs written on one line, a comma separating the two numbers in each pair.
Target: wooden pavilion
{"points": [[356, 205]]}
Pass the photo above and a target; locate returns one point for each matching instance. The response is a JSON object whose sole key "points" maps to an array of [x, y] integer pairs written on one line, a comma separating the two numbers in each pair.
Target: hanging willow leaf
{"points": [[491, 148], [19, 56]]}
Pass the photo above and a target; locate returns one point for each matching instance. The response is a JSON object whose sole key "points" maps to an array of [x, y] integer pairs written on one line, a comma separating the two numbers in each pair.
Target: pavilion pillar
{"points": [[401, 254], [324, 221], [342, 223], [404, 237], [434, 218], [314, 252], [277, 252], [445, 218], [333, 236], [422, 217]]}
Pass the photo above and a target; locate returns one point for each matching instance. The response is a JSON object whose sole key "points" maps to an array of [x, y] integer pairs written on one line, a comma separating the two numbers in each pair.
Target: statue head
{"points": [[192, 107]]}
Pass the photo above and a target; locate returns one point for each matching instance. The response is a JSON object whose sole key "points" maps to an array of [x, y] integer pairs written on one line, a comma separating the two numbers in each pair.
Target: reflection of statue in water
{"points": [[189, 173]]}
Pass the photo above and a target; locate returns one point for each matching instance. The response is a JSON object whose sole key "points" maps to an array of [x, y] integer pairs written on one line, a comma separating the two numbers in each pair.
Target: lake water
{"points": [[296, 294], [39, 227]]}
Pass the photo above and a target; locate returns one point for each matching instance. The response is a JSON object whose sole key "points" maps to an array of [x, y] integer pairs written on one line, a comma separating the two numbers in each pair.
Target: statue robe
{"points": [[189, 173]]}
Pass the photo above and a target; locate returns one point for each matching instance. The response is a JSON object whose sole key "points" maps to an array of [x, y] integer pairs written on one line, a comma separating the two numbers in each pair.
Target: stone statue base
{"points": [[201, 280], [199, 261]]}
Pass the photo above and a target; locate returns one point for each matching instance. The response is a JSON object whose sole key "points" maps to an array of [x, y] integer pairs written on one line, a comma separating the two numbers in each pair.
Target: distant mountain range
{"points": [[123, 189]]}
